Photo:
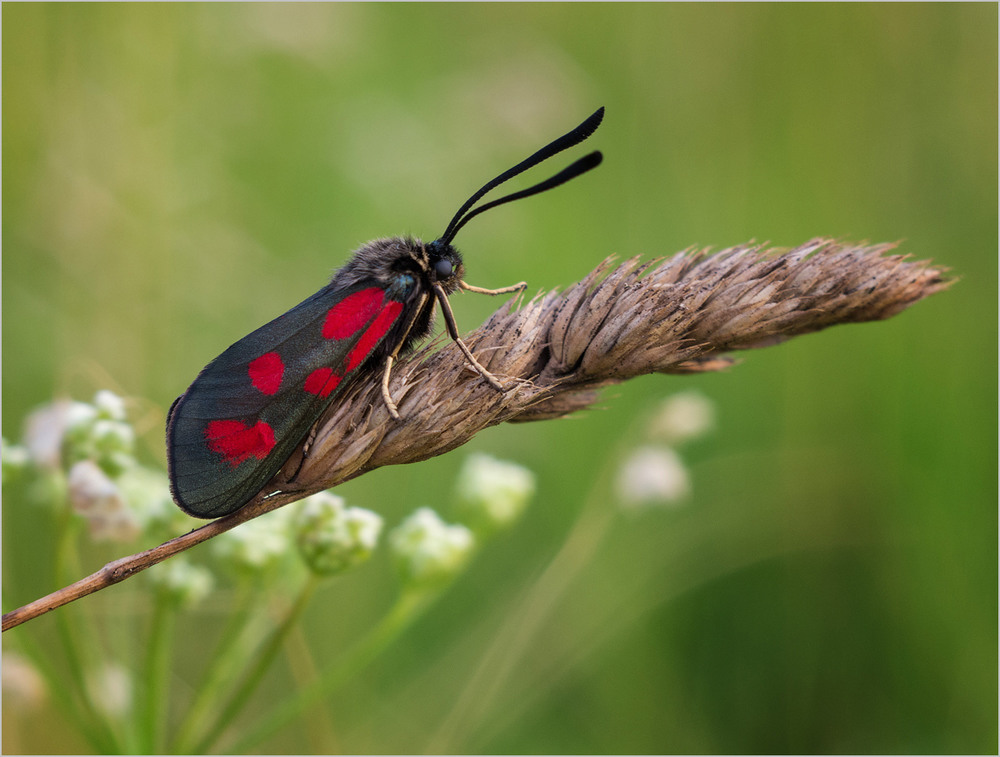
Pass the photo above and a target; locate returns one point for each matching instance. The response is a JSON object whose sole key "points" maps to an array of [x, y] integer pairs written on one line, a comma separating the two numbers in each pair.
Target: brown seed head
{"points": [[669, 316]]}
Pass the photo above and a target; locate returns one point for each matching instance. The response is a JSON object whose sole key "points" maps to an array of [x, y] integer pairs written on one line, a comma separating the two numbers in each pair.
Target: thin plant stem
{"points": [[263, 661], [318, 725], [231, 650], [407, 609], [584, 540], [101, 733], [155, 692], [71, 695], [514, 638], [66, 696]]}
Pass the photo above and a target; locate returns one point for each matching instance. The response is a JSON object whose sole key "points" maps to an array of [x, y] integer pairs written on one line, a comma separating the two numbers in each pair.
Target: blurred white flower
{"points": [[46, 427], [652, 476], [79, 415], [119, 526], [97, 498], [185, 583], [112, 444], [65, 432], [23, 686], [428, 550], [15, 459], [494, 492], [109, 405], [257, 546], [147, 494], [91, 491], [110, 689], [332, 537], [681, 417]]}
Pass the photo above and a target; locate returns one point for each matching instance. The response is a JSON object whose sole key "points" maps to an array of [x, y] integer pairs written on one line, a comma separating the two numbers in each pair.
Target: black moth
{"points": [[249, 409]]}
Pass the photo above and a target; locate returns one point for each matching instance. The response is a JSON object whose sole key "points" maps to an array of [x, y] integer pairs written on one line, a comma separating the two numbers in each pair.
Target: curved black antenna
{"points": [[564, 142], [584, 164]]}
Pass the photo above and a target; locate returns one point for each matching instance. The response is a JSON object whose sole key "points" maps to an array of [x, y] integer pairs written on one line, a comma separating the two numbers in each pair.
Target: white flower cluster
{"points": [[99, 432], [92, 446], [259, 546], [333, 537], [654, 474], [493, 493], [682, 417], [15, 459], [22, 684], [110, 689], [96, 497], [183, 582], [427, 550]]}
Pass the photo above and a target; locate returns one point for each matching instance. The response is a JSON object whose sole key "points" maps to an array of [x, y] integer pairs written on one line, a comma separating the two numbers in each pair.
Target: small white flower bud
{"points": [[98, 499], [112, 444], [257, 546], [23, 686], [147, 494], [46, 428], [428, 550], [652, 476], [109, 405], [110, 689], [683, 416], [79, 415], [14, 457], [494, 493], [117, 526], [91, 492], [332, 537], [78, 439], [185, 583]]}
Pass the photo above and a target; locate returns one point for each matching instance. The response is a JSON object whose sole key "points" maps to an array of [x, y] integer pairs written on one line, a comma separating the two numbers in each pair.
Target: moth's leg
{"points": [[519, 287], [449, 320], [390, 404]]}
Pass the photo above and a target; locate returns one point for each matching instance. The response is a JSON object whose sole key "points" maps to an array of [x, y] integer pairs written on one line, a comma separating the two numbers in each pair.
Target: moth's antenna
{"points": [[584, 164], [564, 142]]}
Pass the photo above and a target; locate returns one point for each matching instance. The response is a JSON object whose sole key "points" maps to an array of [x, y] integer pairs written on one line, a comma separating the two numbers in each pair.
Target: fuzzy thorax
{"points": [[384, 260]]}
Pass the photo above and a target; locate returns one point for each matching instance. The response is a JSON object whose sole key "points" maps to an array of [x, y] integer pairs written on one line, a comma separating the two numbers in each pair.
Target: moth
{"points": [[250, 408]]}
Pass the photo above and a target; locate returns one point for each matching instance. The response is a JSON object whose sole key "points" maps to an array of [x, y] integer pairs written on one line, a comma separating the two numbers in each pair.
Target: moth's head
{"points": [[444, 265]]}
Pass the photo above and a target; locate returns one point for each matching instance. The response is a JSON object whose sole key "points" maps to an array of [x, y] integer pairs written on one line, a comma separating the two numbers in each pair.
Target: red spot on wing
{"points": [[349, 315], [266, 372], [383, 321], [237, 442], [322, 381]]}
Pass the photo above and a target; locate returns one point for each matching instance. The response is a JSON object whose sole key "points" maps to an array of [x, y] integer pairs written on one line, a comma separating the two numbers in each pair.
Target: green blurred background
{"points": [[175, 175]]}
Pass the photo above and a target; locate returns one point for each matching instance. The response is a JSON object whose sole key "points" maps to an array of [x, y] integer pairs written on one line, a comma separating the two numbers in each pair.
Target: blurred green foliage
{"points": [[174, 175]]}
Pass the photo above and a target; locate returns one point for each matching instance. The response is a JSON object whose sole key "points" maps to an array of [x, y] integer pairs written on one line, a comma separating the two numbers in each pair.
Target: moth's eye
{"points": [[443, 268]]}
